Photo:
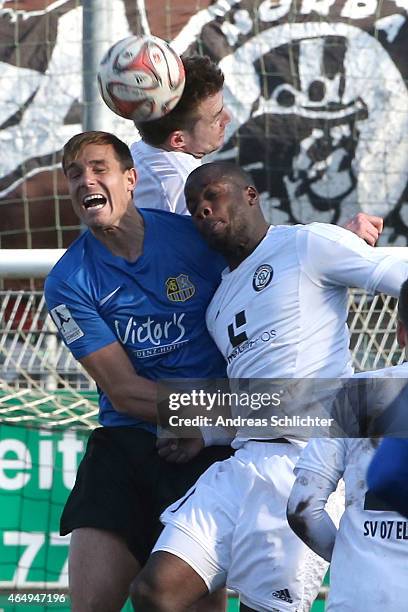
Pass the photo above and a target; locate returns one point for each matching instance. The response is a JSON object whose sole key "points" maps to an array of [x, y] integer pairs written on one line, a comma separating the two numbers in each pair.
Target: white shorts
{"points": [[231, 527]]}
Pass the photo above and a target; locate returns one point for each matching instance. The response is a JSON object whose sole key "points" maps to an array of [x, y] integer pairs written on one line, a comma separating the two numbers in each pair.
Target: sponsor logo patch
{"points": [[262, 277], [180, 288], [67, 326]]}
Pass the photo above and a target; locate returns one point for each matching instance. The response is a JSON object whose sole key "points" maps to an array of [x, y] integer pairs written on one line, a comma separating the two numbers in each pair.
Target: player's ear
{"points": [[253, 196], [176, 141], [402, 335], [131, 178]]}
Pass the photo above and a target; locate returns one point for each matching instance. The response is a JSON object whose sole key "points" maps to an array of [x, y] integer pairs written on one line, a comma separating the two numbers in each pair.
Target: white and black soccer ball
{"points": [[141, 78]]}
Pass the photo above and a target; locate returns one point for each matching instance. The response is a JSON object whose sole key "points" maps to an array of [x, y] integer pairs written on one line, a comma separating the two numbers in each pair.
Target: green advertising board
{"points": [[37, 471]]}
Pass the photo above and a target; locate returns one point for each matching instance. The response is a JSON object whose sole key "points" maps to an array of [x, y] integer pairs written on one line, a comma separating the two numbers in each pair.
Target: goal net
{"points": [[41, 383]]}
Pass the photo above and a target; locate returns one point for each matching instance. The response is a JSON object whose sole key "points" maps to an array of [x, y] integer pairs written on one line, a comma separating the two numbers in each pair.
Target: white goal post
{"points": [[28, 263], [36, 263]]}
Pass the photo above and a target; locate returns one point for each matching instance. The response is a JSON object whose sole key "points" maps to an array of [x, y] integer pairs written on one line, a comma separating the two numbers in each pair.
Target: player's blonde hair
{"points": [[74, 146]]}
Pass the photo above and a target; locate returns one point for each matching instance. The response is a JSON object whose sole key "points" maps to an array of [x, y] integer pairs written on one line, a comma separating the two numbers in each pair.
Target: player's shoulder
{"points": [[165, 221], [326, 231], [171, 225], [70, 274], [155, 159], [73, 258], [320, 230], [138, 148], [177, 233], [324, 243]]}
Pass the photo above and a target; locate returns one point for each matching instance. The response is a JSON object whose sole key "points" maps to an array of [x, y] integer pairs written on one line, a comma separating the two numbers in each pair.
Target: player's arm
{"points": [[95, 346], [318, 472], [367, 227], [307, 515], [114, 373], [334, 256]]}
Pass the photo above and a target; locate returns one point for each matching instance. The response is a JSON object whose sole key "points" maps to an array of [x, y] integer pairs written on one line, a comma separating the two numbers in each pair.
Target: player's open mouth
{"points": [[94, 201]]}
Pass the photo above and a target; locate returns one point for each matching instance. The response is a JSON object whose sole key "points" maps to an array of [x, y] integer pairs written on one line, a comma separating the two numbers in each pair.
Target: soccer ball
{"points": [[141, 78]]}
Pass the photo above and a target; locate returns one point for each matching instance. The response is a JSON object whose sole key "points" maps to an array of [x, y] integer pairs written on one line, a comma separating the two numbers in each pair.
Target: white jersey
{"points": [[369, 562], [161, 176], [282, 312]]}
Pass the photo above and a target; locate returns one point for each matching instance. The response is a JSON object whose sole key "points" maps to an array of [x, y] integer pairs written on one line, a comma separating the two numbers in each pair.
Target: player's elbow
{"points": [[121, 401], [136, 407]]}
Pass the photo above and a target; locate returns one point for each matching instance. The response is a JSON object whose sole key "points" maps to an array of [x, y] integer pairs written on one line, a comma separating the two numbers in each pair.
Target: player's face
{"points": [[209, 131], [220, 212], [100, 190]]}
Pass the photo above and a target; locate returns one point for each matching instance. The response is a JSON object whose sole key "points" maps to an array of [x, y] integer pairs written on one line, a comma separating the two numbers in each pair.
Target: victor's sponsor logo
{"points": [[150, 331], [180, 288], [158, 350]]}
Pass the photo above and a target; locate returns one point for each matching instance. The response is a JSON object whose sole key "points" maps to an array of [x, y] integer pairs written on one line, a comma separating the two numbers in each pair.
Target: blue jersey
{"points": [[387, 475], [155, 307]]}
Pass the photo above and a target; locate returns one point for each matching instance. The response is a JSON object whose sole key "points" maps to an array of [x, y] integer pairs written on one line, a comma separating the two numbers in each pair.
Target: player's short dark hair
{"points": [[403, 304], [218, 170], [203, 79], [74, 146]]}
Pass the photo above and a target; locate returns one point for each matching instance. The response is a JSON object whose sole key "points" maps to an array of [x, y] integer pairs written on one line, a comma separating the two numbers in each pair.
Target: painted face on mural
{"points": [[310, 117]]}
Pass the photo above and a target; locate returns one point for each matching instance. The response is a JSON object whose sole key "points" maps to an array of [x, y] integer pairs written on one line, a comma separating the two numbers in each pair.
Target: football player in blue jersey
{"points": [[129, 298], [387, 476]]}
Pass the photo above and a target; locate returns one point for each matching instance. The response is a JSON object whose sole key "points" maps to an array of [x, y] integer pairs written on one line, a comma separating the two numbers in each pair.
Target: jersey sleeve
{"points": [[307, 513], [75, 314], [333, 255], [324, 456], [161, 184]]}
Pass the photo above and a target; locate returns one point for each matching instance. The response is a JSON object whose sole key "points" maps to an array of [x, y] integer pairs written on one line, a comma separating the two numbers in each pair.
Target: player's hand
{"points": [[367, 227], [179, 450]]}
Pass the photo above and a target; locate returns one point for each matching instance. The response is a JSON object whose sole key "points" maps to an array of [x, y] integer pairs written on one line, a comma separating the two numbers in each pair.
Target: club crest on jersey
{"points": [[262, 277], [180, 288]]}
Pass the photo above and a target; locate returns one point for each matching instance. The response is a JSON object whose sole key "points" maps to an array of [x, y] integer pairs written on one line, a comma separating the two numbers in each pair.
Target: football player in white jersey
{"points": [[368, 552], [171, 147], [280, 312]]}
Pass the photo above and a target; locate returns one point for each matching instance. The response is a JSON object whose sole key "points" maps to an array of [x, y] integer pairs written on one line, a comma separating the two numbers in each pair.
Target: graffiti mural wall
{"points": [[317, 90]]}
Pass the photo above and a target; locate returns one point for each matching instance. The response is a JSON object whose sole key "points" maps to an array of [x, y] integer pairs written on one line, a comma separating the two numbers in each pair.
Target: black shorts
{"points": [[123, 486]]}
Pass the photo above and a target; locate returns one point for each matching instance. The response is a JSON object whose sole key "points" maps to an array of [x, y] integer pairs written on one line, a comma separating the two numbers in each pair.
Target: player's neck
{"points": [[237, 254], [124, 239]]}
